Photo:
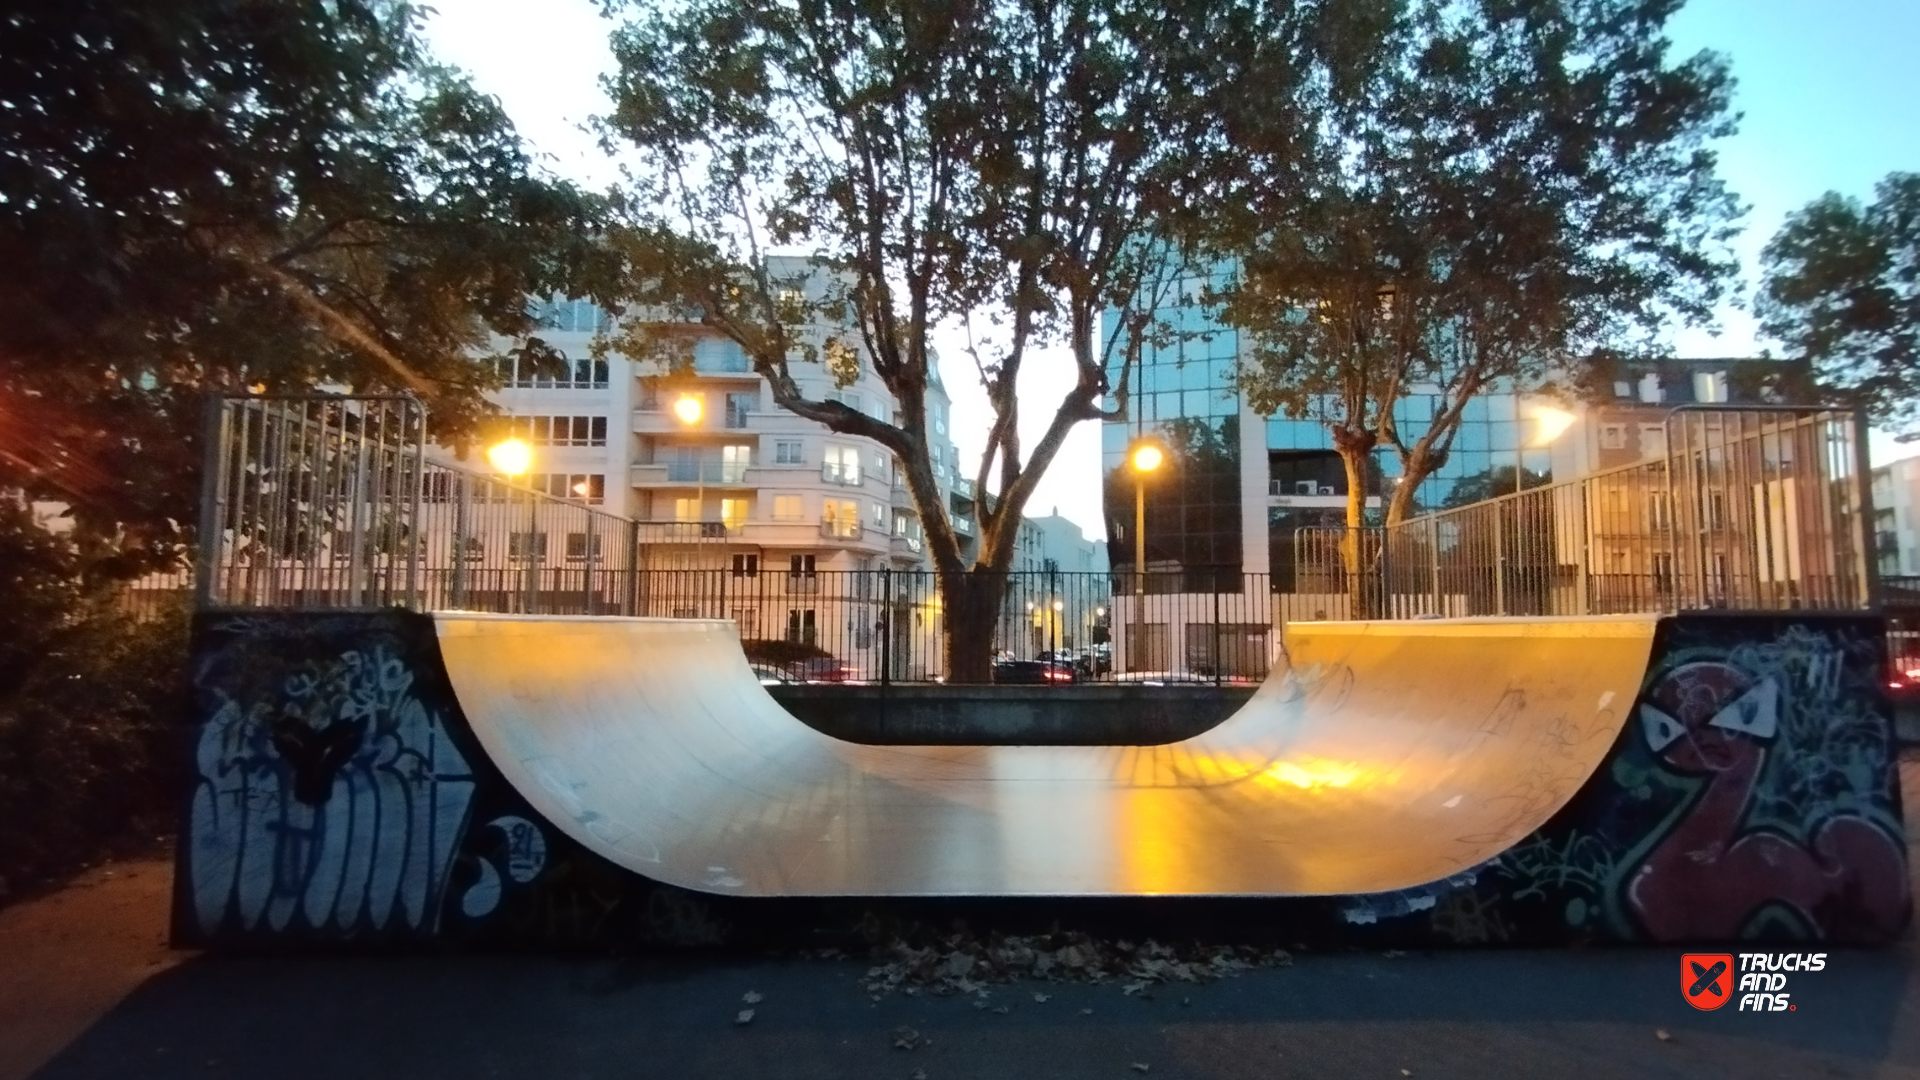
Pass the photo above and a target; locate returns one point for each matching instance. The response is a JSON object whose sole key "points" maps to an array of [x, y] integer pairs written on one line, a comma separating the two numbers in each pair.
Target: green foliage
{"points": [[211, 194], [1842, 290], [90, 704], [1496, 188]]}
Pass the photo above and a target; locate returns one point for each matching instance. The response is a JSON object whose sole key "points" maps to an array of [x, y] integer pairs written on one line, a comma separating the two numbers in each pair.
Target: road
{"points": [[88, 989]]}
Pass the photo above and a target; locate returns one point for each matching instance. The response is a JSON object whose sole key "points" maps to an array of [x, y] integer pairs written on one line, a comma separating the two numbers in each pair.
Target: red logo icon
{"points": [[1706, 979]]}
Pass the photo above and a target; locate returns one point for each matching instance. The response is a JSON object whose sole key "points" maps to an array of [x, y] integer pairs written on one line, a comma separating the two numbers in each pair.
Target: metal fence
{"points": [[319, 502], [1750, 509], [330, 502]]}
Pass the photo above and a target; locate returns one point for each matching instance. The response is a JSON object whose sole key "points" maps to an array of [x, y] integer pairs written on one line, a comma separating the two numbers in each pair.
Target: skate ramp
{"points": [[1378, 757]]}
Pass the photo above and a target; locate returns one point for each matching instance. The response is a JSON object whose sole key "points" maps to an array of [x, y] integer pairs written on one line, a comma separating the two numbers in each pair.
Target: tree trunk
{"points": [[1354, 561], [972, 602]]}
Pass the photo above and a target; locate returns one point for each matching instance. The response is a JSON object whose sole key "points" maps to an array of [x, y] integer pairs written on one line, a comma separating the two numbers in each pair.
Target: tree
{"points": [[1500, 187], [206, 195], [1023, 162], [1842, 290]]}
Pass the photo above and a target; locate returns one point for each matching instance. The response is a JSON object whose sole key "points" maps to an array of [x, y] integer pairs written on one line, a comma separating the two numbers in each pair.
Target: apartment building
{"points": [[770, 506], [1896, 517]]}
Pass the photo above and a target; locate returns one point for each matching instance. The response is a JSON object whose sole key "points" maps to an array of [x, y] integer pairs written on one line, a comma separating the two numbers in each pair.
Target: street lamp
{"points": [[1145, 458], [510, 457], [1553, 424], [689, 408]]}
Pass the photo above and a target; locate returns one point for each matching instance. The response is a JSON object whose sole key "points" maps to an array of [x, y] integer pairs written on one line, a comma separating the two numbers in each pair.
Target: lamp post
{"points": [[513, 458], [1145, 458], [689, 409]]}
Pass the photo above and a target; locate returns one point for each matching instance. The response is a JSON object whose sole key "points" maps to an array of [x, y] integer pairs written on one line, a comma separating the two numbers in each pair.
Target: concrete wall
{"points": [[1094, 715]]}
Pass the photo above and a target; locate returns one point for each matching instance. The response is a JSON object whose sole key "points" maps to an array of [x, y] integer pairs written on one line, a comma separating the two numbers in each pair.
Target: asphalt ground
{"points": [[89, 989]]}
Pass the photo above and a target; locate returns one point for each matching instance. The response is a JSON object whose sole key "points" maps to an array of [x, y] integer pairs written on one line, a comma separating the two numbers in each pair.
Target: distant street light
{"points": [[510, 458]]}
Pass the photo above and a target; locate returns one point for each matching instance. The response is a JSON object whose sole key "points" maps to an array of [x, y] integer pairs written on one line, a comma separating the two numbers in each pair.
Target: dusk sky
{"points": [[1826, 90]]}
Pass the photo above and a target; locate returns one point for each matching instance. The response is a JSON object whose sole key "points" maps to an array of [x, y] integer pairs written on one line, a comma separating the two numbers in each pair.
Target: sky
{"points": [[1825, 91]]}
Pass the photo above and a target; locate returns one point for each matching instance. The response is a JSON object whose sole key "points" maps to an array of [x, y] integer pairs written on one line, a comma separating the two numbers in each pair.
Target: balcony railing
{"points": [[962, 524], [707, 472], [840, 530], [837, 473]]}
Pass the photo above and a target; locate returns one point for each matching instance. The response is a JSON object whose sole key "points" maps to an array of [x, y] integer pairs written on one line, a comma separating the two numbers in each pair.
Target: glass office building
{"points": [[1237, 485]]}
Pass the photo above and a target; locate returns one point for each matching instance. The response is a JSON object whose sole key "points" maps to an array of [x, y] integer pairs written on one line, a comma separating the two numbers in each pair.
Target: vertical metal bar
{"points": [[213, 496], [1868, 593], [415, 417]]}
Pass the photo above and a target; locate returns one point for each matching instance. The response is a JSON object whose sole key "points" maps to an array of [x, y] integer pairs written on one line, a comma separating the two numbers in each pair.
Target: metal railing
{"points": [[1750, 509], [329, 502]]}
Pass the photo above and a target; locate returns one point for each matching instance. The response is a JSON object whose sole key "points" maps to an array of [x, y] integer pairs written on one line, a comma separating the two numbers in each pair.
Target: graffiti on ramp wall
{"points": [[1751, 795], [328, 794]]}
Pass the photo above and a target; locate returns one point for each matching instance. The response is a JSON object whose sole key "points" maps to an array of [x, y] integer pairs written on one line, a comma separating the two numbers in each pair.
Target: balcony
{"points": [[962, 524], [962, 489], [901, 496], [837, 473], [685, 532], [840, 530], [907, 545], [712, 473]]}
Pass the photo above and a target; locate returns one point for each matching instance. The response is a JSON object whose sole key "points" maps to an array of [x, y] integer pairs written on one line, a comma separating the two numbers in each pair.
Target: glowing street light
{"points": [[1145, 458], [689, 408], [1553, 423], [510, 458]]}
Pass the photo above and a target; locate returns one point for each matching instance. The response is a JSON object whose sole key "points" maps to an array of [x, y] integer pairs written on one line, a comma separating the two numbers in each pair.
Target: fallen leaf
{"points": [[752, 997], [744, 1016], [905, 1038], [1661, 1034], [1406, 1072], [1141, 1066], [1041, 997], [1003, 1010], [919, 1074]]}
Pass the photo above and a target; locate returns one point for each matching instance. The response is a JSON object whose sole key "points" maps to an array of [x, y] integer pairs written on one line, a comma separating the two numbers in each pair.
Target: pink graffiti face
{"points": [[1708, 716]]}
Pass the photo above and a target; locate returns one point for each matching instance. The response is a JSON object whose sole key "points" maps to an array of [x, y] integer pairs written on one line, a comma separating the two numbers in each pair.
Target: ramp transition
{"points": [[390, 778]]}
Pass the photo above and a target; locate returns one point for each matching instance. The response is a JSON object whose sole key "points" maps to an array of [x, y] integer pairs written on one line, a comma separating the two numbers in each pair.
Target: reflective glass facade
{"points": [[1184, 398]]}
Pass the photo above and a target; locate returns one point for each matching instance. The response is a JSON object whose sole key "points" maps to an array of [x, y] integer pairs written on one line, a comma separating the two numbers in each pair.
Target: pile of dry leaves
{"points": [[965, 964]]}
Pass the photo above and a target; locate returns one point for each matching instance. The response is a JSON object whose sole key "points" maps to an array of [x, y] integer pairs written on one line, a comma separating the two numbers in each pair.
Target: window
{"points": [[686, 509], [1657, 511], [801, 626], [649, 395], [787, 453], [879, 515], [841, 518], [1650, 391], [583, 546], [1623, 389], [1663, 571], [1709, 387], [786, 508], [733, 463], [738, 406], [849, 398], [561, 430], [1653, 440], [841, 465], [1613, 436], [526, 546], [746, 566], [900, 524], [719, 354], [583, 374], [748, 620], [799, 566], [733, 512], [575, 316]]}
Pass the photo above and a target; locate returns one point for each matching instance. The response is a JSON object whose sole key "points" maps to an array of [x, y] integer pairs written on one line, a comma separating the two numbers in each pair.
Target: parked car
{"points": [[770, 675], [1031, 673], [824, 669]]}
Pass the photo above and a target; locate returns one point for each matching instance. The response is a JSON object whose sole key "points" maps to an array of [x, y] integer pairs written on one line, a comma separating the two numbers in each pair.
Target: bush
{"points": [[91, 702]]}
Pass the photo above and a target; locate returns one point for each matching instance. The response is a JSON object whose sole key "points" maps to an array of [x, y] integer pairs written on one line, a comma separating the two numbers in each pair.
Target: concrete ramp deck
{"points": [[1378, 756]]}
